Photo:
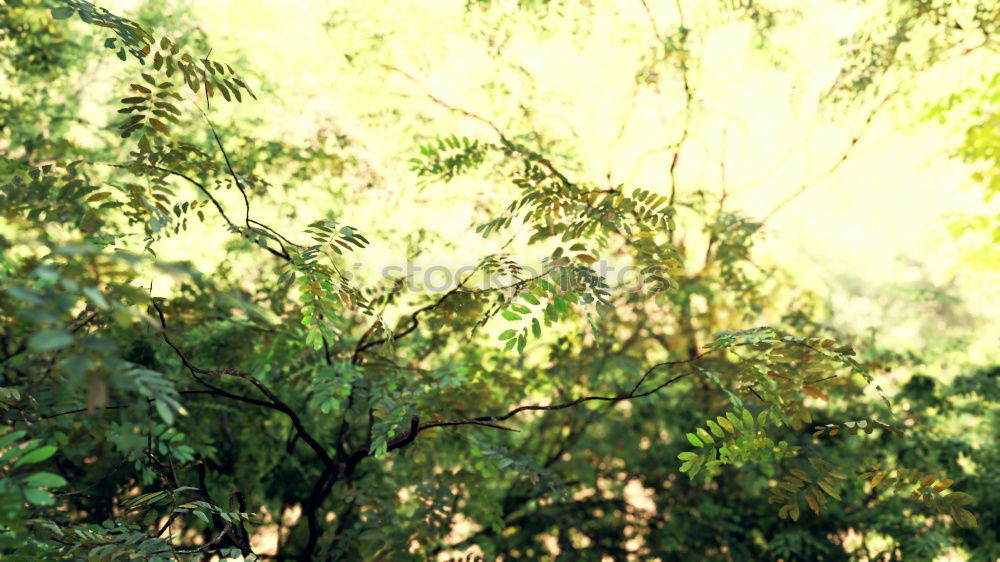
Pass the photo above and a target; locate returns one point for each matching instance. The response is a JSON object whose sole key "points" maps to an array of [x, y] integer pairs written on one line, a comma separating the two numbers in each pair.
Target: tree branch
{"points": [[277, 402], [491, 421]]}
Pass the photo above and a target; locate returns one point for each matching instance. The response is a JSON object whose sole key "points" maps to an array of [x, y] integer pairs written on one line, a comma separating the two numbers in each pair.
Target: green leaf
{"points": [[828, 489], [25, 295], [38, 497], [536, 328], [96, 297], [507, 334], [726, 424], [958, 498], [762, 418], [800, 475], [686, 455], [693, 439], [705, 436], [6, 440], [61, 13], [45, 480], [529, 298], [561, 305], [716, 430], [40, 454], [164, 411], [965, 518], [510, 315], [735, 420], [49, 340]]}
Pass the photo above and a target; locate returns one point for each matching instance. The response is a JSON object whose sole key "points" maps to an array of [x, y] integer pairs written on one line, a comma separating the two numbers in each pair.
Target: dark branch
{"points": [[275, 401], [203, 189], [491, 421]]}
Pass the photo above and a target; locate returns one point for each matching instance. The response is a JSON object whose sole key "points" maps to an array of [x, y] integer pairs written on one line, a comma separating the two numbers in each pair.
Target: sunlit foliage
{"points": [[173, 409]]}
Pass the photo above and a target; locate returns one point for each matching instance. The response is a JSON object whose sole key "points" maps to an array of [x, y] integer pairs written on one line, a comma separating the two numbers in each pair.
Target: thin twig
{"points": [[836, 165], [687, 115]]}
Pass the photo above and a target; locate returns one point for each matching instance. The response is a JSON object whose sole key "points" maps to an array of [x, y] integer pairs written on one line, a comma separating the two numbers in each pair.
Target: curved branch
{"points": [[617, 398], [229, 165], [282, 254], [503, 138], [277, 402], [491, 421], [200, 186]]}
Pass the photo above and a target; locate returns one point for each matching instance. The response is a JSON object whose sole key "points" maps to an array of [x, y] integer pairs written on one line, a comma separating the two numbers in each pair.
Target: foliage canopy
{"points": [[510, 412]]}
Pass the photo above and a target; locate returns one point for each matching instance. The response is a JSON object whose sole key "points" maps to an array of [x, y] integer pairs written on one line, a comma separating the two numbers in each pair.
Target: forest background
{"points": [[825, 168]]}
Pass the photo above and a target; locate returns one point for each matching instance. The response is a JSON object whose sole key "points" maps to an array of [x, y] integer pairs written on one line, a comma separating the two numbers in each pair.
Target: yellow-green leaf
{"points": [[726, 424], [800, 474], [877, 479], [828, 489], [958, 498], [735, 420], [943, 485], [704, 435], [716, 430], [965, 518]]}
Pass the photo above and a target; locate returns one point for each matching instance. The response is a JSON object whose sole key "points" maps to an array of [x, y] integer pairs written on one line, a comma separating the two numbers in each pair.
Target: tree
{"points": [[168, 423]]}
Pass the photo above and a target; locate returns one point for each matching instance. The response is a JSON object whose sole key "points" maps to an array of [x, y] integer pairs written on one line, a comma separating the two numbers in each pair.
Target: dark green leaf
{"points": [[49, 340], [62, 12]]}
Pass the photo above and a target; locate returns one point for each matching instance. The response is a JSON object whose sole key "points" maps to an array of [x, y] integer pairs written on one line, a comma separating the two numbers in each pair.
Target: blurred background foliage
{"points": [[827, 168]]}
